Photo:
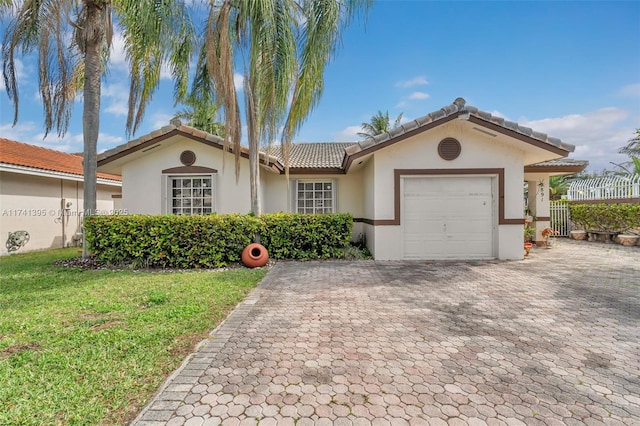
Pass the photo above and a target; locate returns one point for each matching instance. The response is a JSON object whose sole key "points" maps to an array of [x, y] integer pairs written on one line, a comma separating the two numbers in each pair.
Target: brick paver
{"points": [[553, 339]]}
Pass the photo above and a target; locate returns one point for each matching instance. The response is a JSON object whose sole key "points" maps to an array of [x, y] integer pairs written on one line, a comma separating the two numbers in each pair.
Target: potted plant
{"points": [[547, 234], [529, 233]]}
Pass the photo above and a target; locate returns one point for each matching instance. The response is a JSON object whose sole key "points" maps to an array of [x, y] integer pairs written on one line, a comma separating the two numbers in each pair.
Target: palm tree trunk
{"points": [[91, 111], [254, 175]]}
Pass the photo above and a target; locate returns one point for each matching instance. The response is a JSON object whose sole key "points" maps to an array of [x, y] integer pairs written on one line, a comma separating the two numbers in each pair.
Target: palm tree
{"points": [[201, 114], [284, 46], [72, 39], [379, 124]]}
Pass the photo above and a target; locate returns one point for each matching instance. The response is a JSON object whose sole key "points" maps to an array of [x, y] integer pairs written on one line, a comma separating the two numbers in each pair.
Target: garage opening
{"points": [[448, 217]]}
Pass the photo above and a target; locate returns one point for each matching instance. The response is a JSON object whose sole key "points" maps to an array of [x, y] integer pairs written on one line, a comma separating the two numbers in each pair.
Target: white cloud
{"points": [[238, 81], [118, 56], [348, 134], [419, 96], [115, 99], [597, 135], [416, 81], [630, 91], [31, 133], [160, 119], [165, 71]]}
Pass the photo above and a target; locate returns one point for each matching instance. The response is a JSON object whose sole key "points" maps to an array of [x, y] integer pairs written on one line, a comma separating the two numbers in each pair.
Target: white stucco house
{"points": [[41, 197], [448, 185]]}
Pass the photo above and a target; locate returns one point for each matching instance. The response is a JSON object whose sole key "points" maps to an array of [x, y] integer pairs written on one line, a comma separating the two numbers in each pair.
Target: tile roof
{"points": [[316, 155], [460, 108], [336, 155], [560, 166], [562, 162], [173, 126], [25, 155]]}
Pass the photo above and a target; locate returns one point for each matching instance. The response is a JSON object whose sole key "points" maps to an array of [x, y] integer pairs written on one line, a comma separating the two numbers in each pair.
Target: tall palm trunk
{"points": [[93, 40], [254, 175]]}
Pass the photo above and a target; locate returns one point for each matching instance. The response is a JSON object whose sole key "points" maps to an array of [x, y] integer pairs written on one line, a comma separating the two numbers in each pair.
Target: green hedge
{"points": [[306, 236], [213, 241], [606, 217]]}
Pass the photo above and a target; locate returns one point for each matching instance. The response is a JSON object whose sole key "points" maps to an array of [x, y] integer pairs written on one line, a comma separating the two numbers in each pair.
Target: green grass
{"points": [[91, 347]]}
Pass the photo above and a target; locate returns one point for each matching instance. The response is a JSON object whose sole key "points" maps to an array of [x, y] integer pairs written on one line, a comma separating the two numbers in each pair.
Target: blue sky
{"points": [[570, 69]]}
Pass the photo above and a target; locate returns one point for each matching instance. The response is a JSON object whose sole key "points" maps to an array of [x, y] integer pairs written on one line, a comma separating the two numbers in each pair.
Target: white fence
{"points": [[560, 219], [605, 188]]}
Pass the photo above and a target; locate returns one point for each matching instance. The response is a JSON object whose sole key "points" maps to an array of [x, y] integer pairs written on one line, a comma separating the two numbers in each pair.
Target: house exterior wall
{"points": [[143, 190], [48, 208], [278, 197], [538, 202], [419, 152]]}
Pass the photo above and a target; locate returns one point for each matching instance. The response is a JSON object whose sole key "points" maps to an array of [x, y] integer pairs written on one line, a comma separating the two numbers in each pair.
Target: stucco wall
{"points": [[35, 204], [349, 194], [479, 151], [143, 191]]}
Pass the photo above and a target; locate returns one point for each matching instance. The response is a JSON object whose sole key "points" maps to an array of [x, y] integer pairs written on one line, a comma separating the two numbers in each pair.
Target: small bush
{"points": [[615, 217], [306, 236], [168, 241]]}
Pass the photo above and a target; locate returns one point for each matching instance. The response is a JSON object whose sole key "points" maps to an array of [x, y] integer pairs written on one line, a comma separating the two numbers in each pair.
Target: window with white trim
{"points": [[315, 196], [190, 195]]}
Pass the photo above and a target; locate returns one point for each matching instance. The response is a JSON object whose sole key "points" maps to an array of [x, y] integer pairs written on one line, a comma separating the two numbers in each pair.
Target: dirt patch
{"points": [[14, 349]]}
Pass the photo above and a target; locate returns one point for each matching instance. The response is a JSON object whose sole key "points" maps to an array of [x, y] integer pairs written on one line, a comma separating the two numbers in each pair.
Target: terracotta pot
{"points": [[527, 248], [255, 255]]}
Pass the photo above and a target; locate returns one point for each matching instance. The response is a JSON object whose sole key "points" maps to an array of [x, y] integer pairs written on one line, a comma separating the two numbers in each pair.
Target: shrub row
{"points": [[213, 241], [606, 217]]}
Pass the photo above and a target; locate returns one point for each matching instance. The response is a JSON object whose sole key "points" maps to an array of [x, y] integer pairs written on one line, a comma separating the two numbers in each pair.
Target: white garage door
{"points": [[448, 217]]}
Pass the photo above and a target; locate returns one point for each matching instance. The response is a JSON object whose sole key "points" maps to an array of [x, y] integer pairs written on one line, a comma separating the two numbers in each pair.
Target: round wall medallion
{"points": [[187, 158], [449, 149]]}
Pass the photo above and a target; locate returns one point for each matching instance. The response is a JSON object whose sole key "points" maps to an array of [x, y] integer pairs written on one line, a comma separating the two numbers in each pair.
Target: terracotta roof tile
{"points": [[317, 155], [22, 154], [460, 107]]}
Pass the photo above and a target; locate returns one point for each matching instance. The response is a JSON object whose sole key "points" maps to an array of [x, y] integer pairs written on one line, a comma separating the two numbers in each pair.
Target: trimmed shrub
{"points": [[306, 236], [616, 217], [169, 241]]}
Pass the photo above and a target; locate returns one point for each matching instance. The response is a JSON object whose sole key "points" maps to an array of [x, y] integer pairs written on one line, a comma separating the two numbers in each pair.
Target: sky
{"points": [[570, 69]]}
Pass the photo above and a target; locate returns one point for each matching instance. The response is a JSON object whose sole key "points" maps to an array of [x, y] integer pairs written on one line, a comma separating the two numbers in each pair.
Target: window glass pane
{"points": [[314, 197]]}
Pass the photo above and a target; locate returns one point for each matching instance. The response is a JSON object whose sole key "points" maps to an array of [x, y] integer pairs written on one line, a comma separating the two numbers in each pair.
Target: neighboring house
{"points": [[446, 185], [41, 197]]}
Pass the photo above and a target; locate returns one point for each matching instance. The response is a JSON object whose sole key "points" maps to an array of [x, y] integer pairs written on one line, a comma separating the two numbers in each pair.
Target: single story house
{"points": [[448, 185], [41, 197]]}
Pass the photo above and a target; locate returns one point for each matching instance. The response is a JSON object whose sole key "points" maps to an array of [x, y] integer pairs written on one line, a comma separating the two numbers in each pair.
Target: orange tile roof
{"points": [[22, 154]]}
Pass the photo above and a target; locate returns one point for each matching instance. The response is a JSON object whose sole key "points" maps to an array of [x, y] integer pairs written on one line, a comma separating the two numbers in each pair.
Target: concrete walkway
{"points": [[551, 340]]}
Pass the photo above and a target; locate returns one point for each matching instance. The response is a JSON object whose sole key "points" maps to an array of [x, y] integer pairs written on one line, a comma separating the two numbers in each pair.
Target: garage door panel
{"points": [[448, 217]]}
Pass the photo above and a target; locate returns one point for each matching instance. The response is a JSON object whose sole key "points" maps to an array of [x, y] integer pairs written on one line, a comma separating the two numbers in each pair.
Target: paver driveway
{"points": [[554, 339]]}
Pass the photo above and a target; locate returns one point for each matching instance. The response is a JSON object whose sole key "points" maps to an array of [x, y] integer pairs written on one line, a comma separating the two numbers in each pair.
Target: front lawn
{"points": [[90, 347]]}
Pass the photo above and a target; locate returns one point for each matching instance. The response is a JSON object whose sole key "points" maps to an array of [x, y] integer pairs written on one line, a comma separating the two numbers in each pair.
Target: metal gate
{"points": [[560, 219]]}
